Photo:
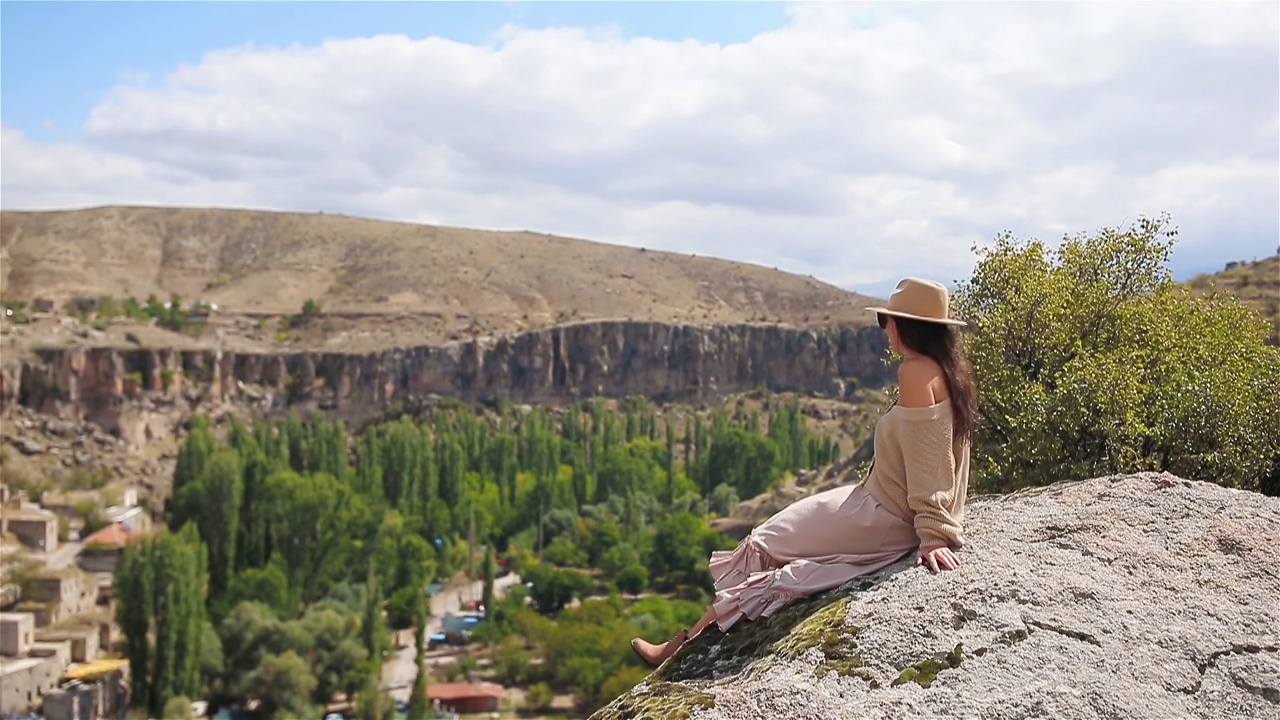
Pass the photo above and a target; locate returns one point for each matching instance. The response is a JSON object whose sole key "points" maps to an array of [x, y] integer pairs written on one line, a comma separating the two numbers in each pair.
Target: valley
{"points": [[111, 364]]}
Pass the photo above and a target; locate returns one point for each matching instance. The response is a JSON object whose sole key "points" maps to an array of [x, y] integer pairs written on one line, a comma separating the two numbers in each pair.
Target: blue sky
{"points": [[855, 142], [80, 50]]}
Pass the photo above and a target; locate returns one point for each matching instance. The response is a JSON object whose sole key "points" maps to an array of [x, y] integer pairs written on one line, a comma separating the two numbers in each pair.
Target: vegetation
{"points": [[1092, 361], [162, 587], [1256, 284], [310, 311], [308, 542], [171, 315]]}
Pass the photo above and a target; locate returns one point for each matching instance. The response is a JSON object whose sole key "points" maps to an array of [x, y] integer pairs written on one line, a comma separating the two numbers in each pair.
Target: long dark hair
{"points": [[942, 344]]}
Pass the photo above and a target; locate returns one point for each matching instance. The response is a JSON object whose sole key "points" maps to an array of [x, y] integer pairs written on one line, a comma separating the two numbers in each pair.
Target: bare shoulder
{"points": [[917, 378]]}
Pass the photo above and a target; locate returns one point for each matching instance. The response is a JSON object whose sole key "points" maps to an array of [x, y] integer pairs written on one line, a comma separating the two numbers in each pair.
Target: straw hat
{"points": [[918, 299]]}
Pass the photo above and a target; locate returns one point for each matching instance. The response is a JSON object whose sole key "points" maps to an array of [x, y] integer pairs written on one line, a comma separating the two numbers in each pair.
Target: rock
{"points": [[1139, 596], [83, 457], [614, 358], [27, 446]]}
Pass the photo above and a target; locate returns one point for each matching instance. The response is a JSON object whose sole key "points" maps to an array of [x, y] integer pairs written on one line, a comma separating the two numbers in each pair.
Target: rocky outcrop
{"points": [[664, 362], [1143, 596]]}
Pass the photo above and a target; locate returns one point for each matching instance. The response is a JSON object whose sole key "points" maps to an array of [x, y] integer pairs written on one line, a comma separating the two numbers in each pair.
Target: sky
{"points": [[855, 142]]}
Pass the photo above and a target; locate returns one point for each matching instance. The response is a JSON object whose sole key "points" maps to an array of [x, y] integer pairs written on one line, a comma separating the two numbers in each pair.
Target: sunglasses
{"points": [[883, 320]]}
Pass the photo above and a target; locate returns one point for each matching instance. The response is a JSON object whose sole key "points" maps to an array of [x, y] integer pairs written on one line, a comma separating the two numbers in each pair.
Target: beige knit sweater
{"points": [[921, 473]]}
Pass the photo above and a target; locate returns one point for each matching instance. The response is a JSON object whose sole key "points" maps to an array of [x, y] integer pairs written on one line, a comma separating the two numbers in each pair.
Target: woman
{"points": [[913, 497]]}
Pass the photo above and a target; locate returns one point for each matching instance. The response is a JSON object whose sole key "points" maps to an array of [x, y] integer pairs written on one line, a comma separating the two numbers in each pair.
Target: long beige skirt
{"points": [[815, 544]]}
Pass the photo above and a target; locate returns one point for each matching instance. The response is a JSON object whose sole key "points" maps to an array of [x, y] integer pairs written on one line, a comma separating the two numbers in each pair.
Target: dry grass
{"points": [[1257, 284], [428, 283]]}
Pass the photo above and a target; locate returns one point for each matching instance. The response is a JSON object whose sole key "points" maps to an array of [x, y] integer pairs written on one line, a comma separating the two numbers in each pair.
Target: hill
{"points": [[1257, 284], [1138, 596], [430, 282]]}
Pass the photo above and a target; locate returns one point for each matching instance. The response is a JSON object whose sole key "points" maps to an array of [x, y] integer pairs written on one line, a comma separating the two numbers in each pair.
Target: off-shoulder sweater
{"points": [[921, 473]]}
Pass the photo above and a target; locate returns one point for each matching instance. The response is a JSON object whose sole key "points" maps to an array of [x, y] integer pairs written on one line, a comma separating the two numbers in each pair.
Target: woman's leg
{"points": [[707, 618], [656, 654]]}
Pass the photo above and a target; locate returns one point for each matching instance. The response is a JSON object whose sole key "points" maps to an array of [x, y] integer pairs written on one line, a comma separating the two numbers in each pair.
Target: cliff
{"points": [[1143, 596], [661, 361]]}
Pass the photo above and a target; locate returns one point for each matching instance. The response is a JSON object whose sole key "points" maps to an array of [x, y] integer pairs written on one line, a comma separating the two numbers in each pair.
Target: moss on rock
{"points": [[658, 701], [926, 671]]}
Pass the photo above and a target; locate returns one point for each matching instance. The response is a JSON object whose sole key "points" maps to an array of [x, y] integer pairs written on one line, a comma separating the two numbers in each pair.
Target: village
{"points": [[58, 621], [58, 629]]}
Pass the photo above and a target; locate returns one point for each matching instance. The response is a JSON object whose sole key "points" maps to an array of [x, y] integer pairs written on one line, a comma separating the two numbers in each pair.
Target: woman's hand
{"points": [[938, 557]]}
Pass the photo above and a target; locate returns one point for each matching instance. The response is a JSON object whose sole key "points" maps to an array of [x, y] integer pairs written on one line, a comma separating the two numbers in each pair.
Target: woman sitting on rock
{"points": [[913, 497]]}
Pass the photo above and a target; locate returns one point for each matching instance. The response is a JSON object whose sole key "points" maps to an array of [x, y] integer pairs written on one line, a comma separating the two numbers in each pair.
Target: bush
{"points": [[310, 311], [633, 579], [177, 708], [539, 697], [1090, 361]]}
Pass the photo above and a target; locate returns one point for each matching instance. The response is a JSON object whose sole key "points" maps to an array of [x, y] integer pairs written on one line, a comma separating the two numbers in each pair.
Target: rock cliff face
{"points": [[1143, 596], [667, 362]]}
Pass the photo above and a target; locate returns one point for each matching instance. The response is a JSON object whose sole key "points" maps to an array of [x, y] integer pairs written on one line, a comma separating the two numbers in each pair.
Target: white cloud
{"points": [[857, 144]]}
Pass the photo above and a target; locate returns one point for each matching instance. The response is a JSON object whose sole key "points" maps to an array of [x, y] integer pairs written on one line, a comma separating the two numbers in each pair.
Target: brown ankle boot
{"points": [[655, 655]]}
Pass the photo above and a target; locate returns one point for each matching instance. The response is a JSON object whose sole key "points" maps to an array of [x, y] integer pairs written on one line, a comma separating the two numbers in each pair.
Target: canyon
{"points": [[665, 362]]}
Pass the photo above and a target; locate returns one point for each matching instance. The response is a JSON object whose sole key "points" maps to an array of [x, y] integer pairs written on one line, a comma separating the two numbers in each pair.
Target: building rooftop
{"points": [[65, 632], [8, 667], [114, 535], [457, 691], [29, 513]]}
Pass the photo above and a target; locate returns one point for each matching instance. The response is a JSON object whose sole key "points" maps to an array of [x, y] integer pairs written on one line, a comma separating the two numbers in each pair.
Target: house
{"points": [[92, 690], [102, 549], [28, 676], [466, 697], [84, 639], [60, 594], [24, 681], [75, 701], [35, 527], [17, 632]]}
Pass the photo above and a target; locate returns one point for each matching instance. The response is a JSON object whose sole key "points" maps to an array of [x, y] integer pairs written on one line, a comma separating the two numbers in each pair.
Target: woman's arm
{"points": [[930, 467]]}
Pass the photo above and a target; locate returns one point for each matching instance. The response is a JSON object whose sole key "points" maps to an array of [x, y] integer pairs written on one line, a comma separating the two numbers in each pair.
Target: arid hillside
{"points": [[430, 284], [1255, 283]]}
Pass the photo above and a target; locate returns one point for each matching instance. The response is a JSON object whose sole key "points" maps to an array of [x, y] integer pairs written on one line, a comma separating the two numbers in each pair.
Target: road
{"points": [[399, 670], [63, 555]]}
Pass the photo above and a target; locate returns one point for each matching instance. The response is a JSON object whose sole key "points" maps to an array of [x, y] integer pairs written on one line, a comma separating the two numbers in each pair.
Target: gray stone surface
{"points": [[1143, 596]]}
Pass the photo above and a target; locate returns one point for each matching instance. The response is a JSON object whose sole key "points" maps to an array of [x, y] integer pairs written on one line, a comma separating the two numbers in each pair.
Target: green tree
{"points": [[163, 585], [373, 630], [213, 502], [284, 685], [680, 550], [419, 708], [1091, 360], [313, 521], [373, 703], [554, 588], [490, 573], [196, 450]]}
